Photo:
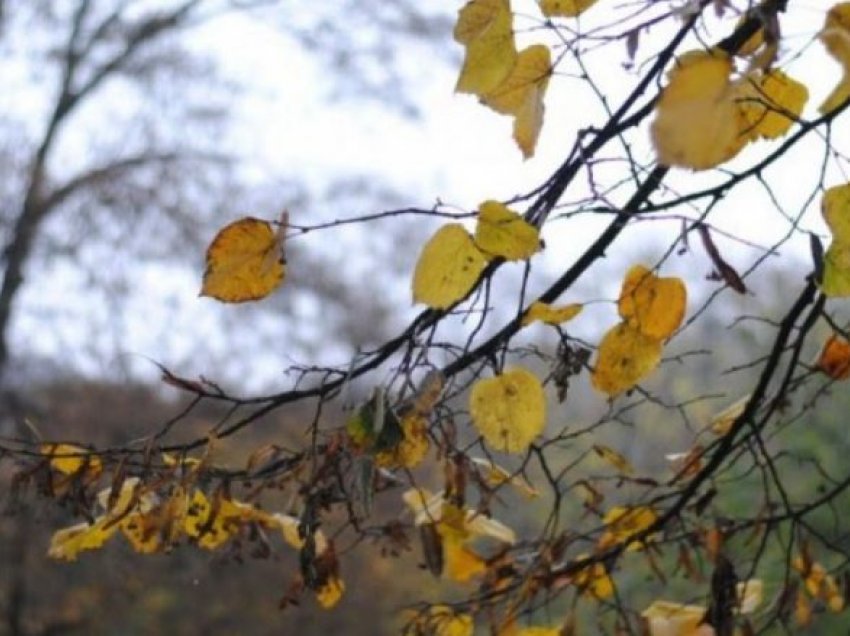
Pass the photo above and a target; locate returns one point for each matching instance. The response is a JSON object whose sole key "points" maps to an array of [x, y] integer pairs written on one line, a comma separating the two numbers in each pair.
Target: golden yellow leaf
{"points": [[614, 458], [565, 8], [509, 410], [698, 124], [722, 422], [594, 580], [537, 631], [665, 618], [836, 270], [835, 208], [494, 475], [67, 543], [550, 314], [485, 28], [412, 448], [461, 562], [835, 36], [448, 267], [623, 522], [521, 95], [653, 306], [430, 508], [443, 621], [770, 103], [244, 262], [503, 232], [72, 465], [331, 592], [625, 357]]}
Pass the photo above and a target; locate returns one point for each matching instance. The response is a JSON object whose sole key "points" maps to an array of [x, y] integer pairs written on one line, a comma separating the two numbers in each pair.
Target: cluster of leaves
{"points": [[717, 100]]}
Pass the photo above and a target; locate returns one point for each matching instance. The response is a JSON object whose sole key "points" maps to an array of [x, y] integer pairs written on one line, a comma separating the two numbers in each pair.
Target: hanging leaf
{"points": [[614, 458], [653, 306], [521, 95], [503, 232], [770, 103], [835, 36], [624, 522], [485, 28], [78, 459], [550, 314], [509, 410], [665, 618], [697, 123], [834, 359], [565, 8], [722, 422], [244, 262], [67, 543], [625, 357], [448, 267]]}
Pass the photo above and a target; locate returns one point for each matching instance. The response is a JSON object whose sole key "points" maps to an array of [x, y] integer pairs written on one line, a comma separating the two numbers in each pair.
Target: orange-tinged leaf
{"points": [[665, 618], [836, 270], [244, 262], [448, 267], [625, 357], [549, 314], [698, 124], [802, 609], [770, 103], [565, 8], [652, 305], [485, 28], [331, 592], [521, 95], [503, 232], [509, 410], [72, 465], [834, 359], [67, 543]]}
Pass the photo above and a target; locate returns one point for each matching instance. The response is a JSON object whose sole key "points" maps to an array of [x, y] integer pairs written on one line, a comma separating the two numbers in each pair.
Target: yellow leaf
{"points": [[698, 124], [770, 103], [549, 314], [836, 270], [566, 8], [835, 36], [503, 232], [654, 306], [448, 267], [614, 458], [624, 522], [67, 543], [625, 357], [537, 631], [443, 621], [461, 563], [485, 28], [244, 262], [750, 595], [412, 448], [72, 465], [594, 580], [430, 508], [331, 592], [835, 208], [521, 95], [509, 410], [494, 475], [665, 618], [722, 422]]}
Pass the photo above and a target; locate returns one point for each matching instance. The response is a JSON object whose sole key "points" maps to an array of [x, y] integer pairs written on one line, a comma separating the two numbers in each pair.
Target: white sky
{"points": [[459, 151]]}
